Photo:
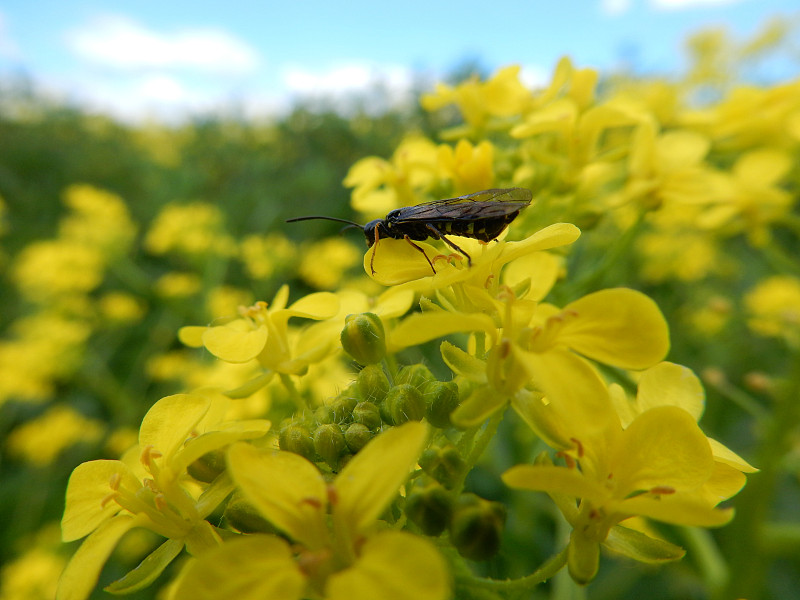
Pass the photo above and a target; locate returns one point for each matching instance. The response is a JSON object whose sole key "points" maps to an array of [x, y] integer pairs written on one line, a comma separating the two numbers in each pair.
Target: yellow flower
{"points": [[346, 556], [107, 498], [668, 167], [195, 229], [774, 306], [325, 262], [42, 439], [263, 256], [382, 185], [752, 199], [660, 467], [98, 219], [263, 334], [47, 271], [668, 384], [470, 168], [502, 95]]}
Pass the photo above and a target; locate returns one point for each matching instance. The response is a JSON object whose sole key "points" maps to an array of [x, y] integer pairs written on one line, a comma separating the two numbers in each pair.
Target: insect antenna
{"points": [[349, 223]]}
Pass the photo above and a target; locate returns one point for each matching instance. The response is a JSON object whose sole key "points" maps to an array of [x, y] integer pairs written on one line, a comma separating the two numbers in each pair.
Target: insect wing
{"points": [[480, 205]]}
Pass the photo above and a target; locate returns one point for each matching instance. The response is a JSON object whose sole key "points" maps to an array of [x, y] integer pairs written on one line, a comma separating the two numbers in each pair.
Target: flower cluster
{"points": [[334, 447]]}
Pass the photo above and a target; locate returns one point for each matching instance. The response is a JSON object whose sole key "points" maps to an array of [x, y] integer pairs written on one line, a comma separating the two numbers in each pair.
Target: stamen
{"points": [[662, 490], [578, 445]]}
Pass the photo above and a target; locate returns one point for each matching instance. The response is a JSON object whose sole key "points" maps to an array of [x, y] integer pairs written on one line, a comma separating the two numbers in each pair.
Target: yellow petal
{"points": [[553, 236], [392, 262], [192, 335], [619, 327], [285, 488], [662, 447], [393, 566], [235, 342], [680, 149], [668, 384], [725, 482], [214, 440], [372, 478], [320, 305], [762, 167], [171, 421], [252, 567], [559, 480], [727, 456], [478, 407], [423, 327], [679, 510], [578, 398], [81, 574], [89, 485]]}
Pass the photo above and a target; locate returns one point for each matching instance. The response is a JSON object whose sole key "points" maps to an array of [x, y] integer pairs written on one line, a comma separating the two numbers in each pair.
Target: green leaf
{"points": [[148, 570], [638, 546]]}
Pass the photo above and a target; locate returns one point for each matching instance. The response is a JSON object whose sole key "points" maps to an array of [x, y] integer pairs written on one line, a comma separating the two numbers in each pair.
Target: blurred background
{"points": [[150, 153]]}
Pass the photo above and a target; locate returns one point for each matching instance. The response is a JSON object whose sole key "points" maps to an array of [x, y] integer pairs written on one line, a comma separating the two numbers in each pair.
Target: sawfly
{"points": [[481, 216]]}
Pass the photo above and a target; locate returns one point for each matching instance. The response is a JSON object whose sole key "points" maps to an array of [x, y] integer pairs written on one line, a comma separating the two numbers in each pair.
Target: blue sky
{"points": [[134, 58]]}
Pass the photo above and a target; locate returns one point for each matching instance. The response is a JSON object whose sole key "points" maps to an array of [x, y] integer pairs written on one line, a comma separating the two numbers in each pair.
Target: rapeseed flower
{"points": [[107, 498], [349, 555], [660, 466]]}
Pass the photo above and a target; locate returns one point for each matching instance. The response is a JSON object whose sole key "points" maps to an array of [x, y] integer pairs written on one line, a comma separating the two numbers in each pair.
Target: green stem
{"points": [[524, 584], [300, 402], [705, 552], [610, 259], [750, 560]]}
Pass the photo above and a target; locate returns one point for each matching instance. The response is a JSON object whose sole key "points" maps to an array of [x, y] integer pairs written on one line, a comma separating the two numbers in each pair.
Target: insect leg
{"points": [[440, 236], [408, 239], [374, 250]]}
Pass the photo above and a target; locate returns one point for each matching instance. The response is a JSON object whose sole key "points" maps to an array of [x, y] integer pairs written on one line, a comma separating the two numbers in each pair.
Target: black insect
{"points": [[482, 216]]}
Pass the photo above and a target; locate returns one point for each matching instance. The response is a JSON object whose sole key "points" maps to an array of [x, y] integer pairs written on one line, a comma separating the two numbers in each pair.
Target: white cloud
{"points": [[680, 4], [615, 7], [534, 76], [346, 78], [121, 43]]}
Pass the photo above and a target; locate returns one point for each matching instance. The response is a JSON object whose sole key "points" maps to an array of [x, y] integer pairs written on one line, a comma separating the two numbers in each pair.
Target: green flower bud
{"points": [[368, 415], [477, 526], [207, 467], [417, 375], [356, 436], [330, 444], [404, 403], [583, 558], [444, 464], [242, 516], [442, 400], [296, 438], [324, 415], [373, 384], [430, 509], [363, 338]]}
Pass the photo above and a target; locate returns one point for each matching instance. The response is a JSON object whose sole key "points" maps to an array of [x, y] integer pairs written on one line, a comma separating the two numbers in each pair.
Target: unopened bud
{"points": [[242, 516], [444, 464], [367, 414], [442, 399], [208, 467], [477, 527], [373, 385], [363, 338], [417, 375], [430, 509], [330, 444], [404, 403], [357, 436], [296, 438]]}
